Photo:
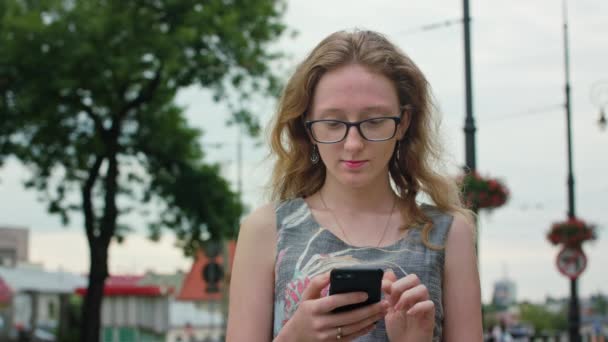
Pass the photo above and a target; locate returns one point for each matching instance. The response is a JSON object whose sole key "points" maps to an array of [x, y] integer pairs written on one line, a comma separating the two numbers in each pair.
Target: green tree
{"points": [[599, 303], [542, 319], [489, 315], [87, 105]]}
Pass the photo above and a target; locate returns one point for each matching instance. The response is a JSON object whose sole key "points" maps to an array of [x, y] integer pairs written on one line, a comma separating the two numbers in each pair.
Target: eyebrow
{"points": [[331, 112]]}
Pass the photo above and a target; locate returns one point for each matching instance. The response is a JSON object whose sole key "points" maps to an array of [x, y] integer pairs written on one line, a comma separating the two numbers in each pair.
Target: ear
{"points": [[406, 116], [306, 131]]}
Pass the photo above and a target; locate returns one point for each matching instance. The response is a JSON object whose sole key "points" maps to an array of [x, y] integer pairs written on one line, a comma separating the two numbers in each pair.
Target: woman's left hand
{"points": [[411, 316]]}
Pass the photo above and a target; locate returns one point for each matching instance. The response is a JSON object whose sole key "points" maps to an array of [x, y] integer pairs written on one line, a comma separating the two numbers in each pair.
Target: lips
{"points": [[354, 164]]}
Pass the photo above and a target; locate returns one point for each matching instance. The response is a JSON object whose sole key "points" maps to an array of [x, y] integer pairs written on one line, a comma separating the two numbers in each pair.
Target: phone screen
{"points": [[344, 280]]}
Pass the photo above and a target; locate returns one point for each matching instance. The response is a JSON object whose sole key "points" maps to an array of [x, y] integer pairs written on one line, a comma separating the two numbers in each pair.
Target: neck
{"points": [[377, 197]]}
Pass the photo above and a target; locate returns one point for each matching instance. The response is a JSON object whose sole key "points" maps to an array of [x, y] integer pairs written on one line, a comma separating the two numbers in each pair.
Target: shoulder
{"points": [[462, 232], [255, 246], [460, 246], [260, 223]]}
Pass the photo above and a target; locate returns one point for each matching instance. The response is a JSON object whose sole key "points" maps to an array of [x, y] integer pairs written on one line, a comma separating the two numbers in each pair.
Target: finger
{"points": [[316, 285], [329, 303], [389, 275], [424, 309], [354, 327], [372, 312], [401, 285], [412, 296], [361, 332], [386, 286], [388, 279]]}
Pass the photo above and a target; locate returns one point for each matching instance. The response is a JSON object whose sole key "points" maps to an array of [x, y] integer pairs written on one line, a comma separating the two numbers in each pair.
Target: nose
{"points": [[353, 141]]}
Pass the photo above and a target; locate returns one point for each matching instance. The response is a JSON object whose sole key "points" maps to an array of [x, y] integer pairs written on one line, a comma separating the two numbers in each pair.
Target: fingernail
{"points": [[385, 304]]}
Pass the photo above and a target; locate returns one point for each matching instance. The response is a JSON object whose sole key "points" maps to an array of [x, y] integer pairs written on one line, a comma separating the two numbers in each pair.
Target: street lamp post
{"points": [[469, 123], [574, 312]]}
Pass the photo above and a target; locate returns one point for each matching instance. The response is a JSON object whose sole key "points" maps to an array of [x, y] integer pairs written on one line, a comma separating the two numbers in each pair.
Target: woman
{"points": [[355, 147]]}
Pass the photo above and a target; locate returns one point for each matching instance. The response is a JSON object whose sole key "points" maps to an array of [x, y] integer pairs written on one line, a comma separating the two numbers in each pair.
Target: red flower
{"points": [[482, 192], [572, 232]]}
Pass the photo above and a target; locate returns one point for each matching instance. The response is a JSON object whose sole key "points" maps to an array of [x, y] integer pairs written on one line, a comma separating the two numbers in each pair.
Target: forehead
{"points": [[353, 89]]}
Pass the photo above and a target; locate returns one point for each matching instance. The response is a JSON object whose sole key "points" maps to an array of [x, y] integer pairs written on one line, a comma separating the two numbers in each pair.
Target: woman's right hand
{"points": [[314, 321]]}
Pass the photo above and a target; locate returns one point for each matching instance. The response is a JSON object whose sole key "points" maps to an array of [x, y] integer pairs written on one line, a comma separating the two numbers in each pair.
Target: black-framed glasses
{"points": [[333, 131]]}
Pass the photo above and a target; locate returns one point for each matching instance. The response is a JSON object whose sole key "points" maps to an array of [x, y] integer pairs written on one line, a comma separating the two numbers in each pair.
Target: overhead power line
{"points": [[430, 27], [527, 113]]}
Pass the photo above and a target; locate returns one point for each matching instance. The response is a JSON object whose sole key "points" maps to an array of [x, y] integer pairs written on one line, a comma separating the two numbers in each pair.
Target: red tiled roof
{"points": [[195, 287], [135, 291], [124, 280], [128, 285]]}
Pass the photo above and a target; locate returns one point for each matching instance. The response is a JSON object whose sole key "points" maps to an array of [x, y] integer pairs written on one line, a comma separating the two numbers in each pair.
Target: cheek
{"points": [[386, 152], [328, 152]]}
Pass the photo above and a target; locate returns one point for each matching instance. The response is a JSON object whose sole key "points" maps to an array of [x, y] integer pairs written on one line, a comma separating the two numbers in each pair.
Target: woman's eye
{"points": [[376, 121], [332, 124]]}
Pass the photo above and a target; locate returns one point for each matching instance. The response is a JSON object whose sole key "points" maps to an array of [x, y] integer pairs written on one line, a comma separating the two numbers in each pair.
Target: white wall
{"points": [[145, 312]]}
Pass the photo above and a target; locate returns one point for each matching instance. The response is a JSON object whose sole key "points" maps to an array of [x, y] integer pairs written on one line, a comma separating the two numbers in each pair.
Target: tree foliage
{"points": [[77, 75], [87, 94], [543, 319]]}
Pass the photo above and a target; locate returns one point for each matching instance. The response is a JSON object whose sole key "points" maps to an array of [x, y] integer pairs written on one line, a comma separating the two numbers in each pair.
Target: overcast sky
{"points": [[518, 79]]}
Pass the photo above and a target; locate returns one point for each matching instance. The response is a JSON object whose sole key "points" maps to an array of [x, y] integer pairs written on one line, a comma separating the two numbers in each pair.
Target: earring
{"points": [[398, 150], [314, 156]]}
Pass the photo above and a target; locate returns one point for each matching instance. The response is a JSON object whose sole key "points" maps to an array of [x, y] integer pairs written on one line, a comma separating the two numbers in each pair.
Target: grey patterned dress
{"points": [[305, 249]]}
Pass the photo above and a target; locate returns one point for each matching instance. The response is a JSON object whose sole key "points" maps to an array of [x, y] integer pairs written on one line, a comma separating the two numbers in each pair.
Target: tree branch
{"points": [[144, 96], [96, 119], [87, 201], [75, 100]]}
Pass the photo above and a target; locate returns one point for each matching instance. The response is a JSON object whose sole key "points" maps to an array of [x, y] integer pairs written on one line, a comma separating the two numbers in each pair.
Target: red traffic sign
{"points": [[571, 262]]}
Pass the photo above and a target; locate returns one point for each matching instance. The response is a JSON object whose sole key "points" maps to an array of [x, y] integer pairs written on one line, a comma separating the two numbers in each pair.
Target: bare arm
{"points": [[252, 281], [461, 292]]}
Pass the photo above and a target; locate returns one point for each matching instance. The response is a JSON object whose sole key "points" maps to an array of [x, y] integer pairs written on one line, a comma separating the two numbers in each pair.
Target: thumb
{"points": [[316, 285]]}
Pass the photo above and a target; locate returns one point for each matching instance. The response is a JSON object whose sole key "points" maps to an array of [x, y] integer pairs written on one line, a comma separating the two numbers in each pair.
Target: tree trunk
{"points": [[64, 316], [99, 232], [91, 310]]}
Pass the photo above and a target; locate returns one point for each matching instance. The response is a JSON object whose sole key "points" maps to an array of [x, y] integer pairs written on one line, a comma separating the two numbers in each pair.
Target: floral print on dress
{"points": [[318, 264], [305, 250]]}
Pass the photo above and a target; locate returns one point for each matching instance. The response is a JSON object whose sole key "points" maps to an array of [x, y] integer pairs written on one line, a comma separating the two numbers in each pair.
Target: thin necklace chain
{"points": [[342, 230]]}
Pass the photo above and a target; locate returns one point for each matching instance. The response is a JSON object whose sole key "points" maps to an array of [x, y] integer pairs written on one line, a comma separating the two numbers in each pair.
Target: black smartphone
{"points": [[344, 280]]}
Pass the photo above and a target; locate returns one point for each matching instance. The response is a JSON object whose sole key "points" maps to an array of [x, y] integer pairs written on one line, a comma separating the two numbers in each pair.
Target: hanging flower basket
{"points": [[483, 192], [572, 232]]}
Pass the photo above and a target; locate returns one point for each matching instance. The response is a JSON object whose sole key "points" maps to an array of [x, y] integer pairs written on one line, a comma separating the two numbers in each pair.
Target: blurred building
{"points": [[34, 299], [504, 293], [167, 307], [14, 245], [133, 312]]}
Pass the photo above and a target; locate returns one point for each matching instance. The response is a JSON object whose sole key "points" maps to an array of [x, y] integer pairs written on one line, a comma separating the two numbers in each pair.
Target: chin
{"points": [[355, 180]]}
